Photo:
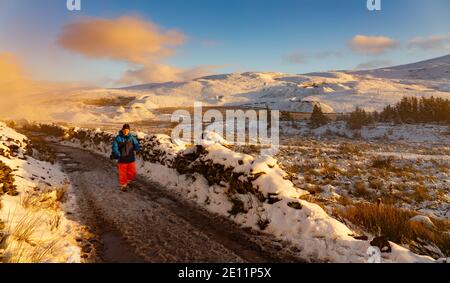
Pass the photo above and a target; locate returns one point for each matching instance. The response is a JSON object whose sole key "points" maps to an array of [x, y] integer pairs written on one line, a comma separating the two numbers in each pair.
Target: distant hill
{"points": [[434, 69], [336, 91]]}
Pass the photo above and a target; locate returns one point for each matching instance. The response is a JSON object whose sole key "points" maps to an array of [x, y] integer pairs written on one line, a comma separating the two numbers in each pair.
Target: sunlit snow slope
{"points": [[333, 91]]}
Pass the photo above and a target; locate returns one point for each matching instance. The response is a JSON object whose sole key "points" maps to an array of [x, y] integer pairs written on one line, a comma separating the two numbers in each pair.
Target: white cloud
{"points": [[140, 43], [432, 42], [371, 44]]}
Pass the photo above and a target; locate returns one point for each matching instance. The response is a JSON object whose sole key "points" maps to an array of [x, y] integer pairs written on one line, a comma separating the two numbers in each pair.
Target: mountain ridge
{"points": [[334, 91]]}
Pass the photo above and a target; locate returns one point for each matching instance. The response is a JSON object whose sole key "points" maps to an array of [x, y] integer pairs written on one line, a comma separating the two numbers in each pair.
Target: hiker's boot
{"points": [[132, 184], [124, 188]]}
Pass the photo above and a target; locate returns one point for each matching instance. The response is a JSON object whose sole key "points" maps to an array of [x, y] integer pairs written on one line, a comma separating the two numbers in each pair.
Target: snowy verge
{"points": [[254, 192], [34, 226]]}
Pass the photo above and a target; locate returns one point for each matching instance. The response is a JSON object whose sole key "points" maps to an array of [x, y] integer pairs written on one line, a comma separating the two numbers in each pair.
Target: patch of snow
{"points": [[423, 220], [31, 175]]}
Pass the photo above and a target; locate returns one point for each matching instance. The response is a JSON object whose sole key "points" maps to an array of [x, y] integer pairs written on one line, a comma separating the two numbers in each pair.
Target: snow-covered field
{"points": [[256, 192], [427, 136], [418, 182], [404, 166], [34, 224]]}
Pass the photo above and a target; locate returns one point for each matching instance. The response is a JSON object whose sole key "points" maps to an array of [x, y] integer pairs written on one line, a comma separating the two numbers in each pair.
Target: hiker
{"points": [[123, 149]]}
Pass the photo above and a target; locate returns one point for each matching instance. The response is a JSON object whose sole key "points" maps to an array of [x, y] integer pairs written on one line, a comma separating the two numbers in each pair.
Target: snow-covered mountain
{"points": [[434, 69], [334, 91]]}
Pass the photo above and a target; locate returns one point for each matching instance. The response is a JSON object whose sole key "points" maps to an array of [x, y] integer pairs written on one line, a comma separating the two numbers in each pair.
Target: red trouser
{"points": [[127, 173]]}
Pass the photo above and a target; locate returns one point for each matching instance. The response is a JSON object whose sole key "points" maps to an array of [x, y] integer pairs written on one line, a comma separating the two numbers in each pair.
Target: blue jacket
{"points": [[123, 148]]}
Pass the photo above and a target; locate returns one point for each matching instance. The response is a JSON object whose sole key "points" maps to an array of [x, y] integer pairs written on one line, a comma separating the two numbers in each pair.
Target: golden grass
{"points": [[19, 252], [394, 224], [421, 193], [314, 189], [40, 253], [25, 227], [294, 168], [19, 240], [353, 171], [350, 149], [20, 243], [383, 162], [376, 183], [331, 171], [360, 189], [46, 198], [54, 222]]}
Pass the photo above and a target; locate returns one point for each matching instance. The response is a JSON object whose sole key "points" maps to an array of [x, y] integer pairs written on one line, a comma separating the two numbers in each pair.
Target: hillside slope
{"points": [[333, 91]]}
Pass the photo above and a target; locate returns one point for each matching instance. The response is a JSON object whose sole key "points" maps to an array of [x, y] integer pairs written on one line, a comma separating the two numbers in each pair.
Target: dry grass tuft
{"points": [[54, 222], [383, 163], [25, 227], [376, 183], [350, 149], [394, 224], [45, 198], [19, 243], [40, 253], [420, 194], [314, 189], [360, 189]]}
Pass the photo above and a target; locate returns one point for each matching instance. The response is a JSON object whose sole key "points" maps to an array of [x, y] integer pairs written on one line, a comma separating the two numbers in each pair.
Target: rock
{"points": [[88, 236], [426, 221], [295, 205], [13, 193], [263, 223], [86, 249], [272, 199], [382, 243], [361, 238]]}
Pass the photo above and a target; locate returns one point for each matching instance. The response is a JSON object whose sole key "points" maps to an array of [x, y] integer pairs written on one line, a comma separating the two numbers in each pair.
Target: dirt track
{"points": [[146, 224]]}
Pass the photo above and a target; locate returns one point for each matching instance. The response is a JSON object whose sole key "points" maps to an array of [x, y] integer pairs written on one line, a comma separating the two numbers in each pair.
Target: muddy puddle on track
{"points": [[116, 250]]}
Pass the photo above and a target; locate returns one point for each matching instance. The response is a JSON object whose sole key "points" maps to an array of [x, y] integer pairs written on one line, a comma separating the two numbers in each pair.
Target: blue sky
{"points": [[232, 35]]}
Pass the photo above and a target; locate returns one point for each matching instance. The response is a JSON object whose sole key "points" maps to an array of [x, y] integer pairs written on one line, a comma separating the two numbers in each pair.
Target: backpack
{"points": [[114, 157]]}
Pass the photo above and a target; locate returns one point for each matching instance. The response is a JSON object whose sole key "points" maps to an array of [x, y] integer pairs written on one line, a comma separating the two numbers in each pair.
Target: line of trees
{"points": [[417, 110], [409, 110]]}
